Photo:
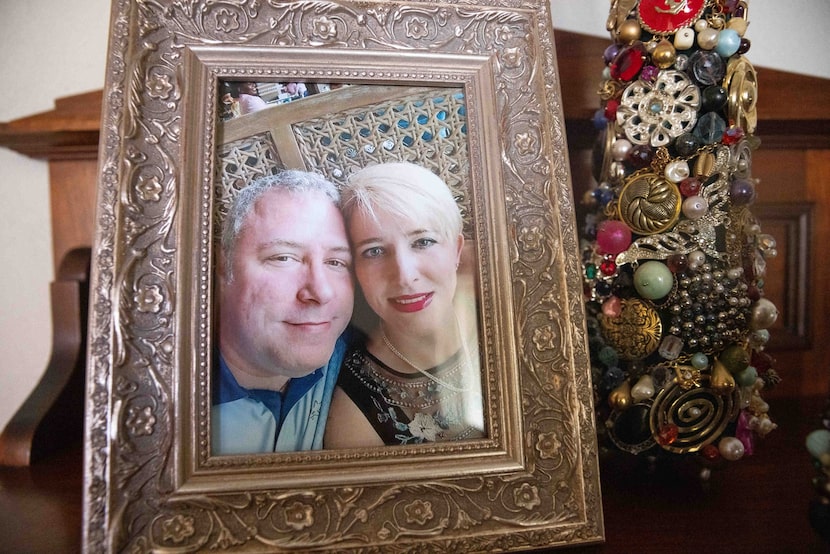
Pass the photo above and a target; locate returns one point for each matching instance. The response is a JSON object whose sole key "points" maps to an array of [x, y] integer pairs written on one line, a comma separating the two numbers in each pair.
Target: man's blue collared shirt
{"points": [[245, 421]]}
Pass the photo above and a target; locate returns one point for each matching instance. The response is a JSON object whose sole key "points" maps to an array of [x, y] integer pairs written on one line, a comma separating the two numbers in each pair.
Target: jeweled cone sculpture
{"points": [[674, 259]]}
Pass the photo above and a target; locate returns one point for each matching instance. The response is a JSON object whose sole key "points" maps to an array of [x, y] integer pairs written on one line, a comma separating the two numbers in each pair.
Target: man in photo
{"points": [[285, 296]]}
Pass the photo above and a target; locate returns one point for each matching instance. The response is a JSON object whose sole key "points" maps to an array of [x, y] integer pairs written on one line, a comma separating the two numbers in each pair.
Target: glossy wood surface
{"points": [[756, 505]]}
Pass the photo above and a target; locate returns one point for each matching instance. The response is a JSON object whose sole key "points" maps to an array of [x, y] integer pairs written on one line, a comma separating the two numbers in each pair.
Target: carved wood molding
{"points": [[69, 132], [795, 221]]}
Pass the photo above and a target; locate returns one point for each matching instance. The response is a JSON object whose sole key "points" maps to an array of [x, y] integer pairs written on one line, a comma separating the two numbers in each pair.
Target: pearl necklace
{"points": [[427, 374]]}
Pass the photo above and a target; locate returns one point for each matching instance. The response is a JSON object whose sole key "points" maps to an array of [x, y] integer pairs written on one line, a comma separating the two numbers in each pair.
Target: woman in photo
{"points": [[414, 376]]}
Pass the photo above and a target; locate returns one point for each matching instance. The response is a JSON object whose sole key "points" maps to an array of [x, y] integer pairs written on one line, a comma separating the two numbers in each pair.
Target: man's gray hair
{"points": [[290, 180]]}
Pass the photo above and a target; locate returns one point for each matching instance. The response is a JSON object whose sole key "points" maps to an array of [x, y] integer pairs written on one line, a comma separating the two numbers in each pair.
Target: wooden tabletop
{"points": [[757, 505]]}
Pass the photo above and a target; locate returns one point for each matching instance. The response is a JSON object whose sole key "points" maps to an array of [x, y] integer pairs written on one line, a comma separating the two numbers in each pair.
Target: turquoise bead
{"points": [[747, 377], [818, 443], [700, 360], [653, 280], [728, 43]]}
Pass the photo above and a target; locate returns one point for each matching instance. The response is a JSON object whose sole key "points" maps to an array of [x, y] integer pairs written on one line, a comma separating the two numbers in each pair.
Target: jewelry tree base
{"points": [[674, 259]]}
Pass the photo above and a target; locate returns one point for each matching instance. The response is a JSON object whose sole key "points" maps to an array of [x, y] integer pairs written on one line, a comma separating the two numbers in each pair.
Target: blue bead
{"points": [[599, 120], [707, 67], [710, 128], [612, 378], [603, 196], [728, 43]]}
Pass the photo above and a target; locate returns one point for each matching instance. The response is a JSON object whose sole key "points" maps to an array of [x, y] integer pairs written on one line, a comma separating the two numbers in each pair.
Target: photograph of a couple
{"points": [[346, 312]]}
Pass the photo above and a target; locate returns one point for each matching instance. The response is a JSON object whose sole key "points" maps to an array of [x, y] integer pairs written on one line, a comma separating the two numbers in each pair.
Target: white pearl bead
{"points": [[707, 38], [684, 38], [695, 207], [735, 272], [644, 389], [696, 259], [763, 315], [731, 448], [620, 149], [677, 170], [701, 24]]}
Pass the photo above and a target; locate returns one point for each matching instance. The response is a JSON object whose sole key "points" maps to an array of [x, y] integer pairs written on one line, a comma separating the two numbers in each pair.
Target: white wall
{"points": [[54, 49], [48, 50], [789, 35]]}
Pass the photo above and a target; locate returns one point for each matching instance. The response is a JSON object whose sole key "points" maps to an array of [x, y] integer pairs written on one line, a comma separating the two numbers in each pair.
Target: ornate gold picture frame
{"points": [[151, 482]]}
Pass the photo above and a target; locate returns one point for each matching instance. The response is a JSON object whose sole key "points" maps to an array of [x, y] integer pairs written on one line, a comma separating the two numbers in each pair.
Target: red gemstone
{"points": [[628, 63], [640, 156], [677, 263], [710, 452], [762, 361], [729, 6], [733, 135], [690, 186], [667, 16], [667, 434], [611, 109], [608, 267]]}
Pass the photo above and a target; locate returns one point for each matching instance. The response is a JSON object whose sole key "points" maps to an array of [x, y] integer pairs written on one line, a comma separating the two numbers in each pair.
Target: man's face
{"points": [[291, 294]]}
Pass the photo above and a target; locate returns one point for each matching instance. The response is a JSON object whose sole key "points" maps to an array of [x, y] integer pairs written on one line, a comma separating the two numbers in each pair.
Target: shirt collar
{"points": [[227, 389]]}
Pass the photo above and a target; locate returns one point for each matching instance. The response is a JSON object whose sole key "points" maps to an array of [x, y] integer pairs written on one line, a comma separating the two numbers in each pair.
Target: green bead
{"points": [[653, 280], [608, 356], [735, 358], [590, 271]]}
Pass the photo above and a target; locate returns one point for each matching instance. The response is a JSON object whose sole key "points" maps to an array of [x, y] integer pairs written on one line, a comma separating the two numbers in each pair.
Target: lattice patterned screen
{"points": [[429, 130], [240, 162]]}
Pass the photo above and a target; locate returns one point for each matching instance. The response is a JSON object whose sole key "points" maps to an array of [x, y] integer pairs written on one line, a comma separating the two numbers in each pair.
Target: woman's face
{"points": [[407, 271]]}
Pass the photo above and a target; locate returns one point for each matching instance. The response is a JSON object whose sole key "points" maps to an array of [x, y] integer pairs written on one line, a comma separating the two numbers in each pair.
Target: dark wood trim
{"points": [[52, 416], [795, 332], [70, 131], [794, 134], [52, 145]]}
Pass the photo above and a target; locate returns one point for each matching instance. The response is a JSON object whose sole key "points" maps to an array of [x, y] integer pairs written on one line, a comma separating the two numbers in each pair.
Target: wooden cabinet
{"points": [[793, 167]]}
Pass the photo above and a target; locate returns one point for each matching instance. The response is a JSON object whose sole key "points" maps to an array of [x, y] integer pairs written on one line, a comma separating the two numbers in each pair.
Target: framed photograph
{"points": [[205, 98]]}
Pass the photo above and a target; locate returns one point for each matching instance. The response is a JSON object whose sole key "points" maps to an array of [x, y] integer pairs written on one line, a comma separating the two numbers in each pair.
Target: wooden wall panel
{"points": [[73, 193]]}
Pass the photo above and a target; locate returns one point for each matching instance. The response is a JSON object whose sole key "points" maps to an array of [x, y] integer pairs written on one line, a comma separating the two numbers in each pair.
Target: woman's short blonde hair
{"points": [[407, 192]]}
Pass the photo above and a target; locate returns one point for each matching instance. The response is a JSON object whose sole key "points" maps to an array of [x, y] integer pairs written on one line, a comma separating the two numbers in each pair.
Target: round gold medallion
{"points": [[741, 83], [649, 203], [636, 332]]}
